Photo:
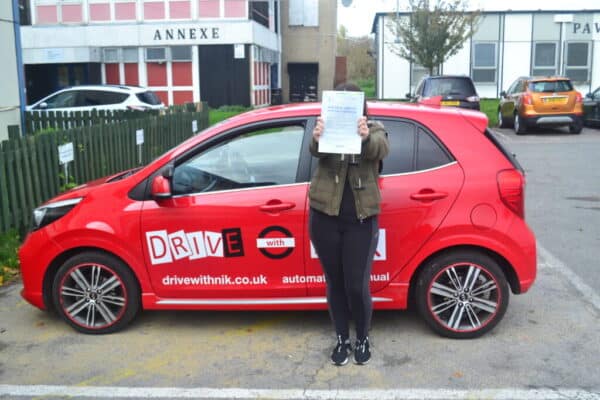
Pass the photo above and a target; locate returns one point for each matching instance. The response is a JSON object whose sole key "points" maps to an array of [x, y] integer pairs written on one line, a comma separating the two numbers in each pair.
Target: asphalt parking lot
{"points": [[546, 347]]}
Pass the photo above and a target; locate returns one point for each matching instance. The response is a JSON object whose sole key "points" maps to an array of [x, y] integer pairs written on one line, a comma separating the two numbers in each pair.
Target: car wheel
{"points": [[577, 127], [518, 125], [96, 293], [501, 122], [462, 294]]}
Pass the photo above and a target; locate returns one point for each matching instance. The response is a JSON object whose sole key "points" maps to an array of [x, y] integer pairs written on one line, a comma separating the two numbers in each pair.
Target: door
{"points": [[234, 227], [419, 183], [303, 82]]}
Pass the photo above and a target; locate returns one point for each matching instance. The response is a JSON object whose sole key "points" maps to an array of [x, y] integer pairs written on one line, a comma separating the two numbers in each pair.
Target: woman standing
{"points": [[344, 204]]}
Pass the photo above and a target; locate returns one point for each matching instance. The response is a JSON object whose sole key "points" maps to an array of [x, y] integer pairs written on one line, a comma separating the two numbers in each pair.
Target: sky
{"points": [[358, 17]]}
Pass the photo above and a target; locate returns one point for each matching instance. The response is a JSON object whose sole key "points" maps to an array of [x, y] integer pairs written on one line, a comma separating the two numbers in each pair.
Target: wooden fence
{"points": [[30, 171]]}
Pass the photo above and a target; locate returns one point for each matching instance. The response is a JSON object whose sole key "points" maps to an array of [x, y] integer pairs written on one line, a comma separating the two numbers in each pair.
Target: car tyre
{"points": [[577, 127], [462, 294], [96, 293], [520, 128], [501, 121]]}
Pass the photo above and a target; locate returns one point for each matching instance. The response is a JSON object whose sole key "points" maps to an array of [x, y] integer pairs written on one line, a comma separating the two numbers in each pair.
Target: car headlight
{"points": [[49, 213]]}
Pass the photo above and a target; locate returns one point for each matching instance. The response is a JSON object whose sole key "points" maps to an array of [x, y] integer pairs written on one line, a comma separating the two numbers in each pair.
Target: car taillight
{"points": [[527, 99], [511, 186], [473, 99], [578, 98]]}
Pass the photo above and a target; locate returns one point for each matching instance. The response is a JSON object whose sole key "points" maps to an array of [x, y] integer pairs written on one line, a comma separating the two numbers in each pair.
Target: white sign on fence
{"points": [[194, 126], [139, 136], [65, 153]]}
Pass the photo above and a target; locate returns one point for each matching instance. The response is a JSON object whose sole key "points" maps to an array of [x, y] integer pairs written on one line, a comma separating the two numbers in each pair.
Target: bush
{"points": [[9, 260]]}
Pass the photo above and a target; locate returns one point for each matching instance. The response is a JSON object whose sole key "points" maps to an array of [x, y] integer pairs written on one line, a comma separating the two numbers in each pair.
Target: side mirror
{"points": [[161, 188], [409, 96], [503, 93], [589, 96], [42, 106]]}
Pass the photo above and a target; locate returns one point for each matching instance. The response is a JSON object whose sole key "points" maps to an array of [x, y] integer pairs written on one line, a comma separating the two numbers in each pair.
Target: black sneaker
{"points": [[362, 354], [340, 353]]}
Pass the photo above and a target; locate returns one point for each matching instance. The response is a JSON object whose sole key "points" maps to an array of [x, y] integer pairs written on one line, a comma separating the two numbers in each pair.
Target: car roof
{"points": [[116, 88], [547, 78], [447, 76]]}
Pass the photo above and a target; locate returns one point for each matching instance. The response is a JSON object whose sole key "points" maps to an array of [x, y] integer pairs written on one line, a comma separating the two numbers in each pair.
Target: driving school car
{"points": [[220, 223]]}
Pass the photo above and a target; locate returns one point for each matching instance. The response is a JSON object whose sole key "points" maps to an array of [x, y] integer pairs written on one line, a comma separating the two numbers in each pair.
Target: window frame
{"points": [[587, 67], [484, 68], [535, 67]]}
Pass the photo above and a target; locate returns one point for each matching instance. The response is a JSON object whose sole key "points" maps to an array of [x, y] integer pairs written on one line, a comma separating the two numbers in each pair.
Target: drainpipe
{"points": [[19, 54]]}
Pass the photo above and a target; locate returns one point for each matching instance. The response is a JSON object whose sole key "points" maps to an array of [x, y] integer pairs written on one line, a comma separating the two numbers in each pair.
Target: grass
{"points": [[490, 108], [9, 261], [367, 86], [222, 113]]}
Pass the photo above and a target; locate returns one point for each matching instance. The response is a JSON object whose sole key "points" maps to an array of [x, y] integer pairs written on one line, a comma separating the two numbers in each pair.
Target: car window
{"points": [[449, 86], [551, 86], [430, 153], [512, 89], [62, 100], [148, 98], [262, 157], [596, 94], [91, 98], [401, 136], [412, 149]]}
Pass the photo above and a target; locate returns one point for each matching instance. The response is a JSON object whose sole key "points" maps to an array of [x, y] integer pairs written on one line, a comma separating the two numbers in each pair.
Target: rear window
{"points": [[551, 86], [148, 98], [449, 86]]}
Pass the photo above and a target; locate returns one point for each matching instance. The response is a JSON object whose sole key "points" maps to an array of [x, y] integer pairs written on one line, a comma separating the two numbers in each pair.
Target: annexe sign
{"points": [[194, 33]]}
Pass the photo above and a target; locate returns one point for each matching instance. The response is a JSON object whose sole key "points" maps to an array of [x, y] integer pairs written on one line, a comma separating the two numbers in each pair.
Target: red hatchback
{"points": [[220, 223]]}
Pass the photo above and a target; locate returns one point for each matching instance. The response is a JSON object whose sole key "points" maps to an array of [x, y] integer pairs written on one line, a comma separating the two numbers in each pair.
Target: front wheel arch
{"points": [[52, 270]]}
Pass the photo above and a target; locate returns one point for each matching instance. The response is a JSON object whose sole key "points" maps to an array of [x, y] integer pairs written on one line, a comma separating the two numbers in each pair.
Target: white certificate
{"points": [[340, 111]]}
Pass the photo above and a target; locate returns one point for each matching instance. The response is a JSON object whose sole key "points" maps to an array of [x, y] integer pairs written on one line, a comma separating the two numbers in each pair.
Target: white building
{"points": [[507, 45], [10, 112]]}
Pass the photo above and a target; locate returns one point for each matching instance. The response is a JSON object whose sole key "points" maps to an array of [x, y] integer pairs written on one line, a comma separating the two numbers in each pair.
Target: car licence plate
{"points": [[450, 103], [555, 100]]}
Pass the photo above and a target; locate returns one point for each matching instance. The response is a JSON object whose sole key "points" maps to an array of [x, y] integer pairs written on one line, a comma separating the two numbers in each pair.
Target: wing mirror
{"points": [[42, 106], [503, 93], [589, 96], [161, 184]]}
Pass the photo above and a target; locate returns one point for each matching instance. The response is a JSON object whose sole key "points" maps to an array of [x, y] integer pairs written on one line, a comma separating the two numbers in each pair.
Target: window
{"points": [[148, 98], [130, 55], [545, 59], [484, 62], [61, 100], [429, 153], [304, 12], [412, 149], [550, 86], [90, 98], [156, 54], [181, 53], [263, 157], [110, 55], [578, 61]]}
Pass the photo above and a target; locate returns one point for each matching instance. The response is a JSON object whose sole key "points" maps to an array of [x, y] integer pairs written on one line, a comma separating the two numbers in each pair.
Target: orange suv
{"points": [[541, 101]]}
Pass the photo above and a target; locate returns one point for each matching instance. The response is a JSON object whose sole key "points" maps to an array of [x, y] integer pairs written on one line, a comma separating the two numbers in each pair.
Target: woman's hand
{"points": [[318, 131], [363, 129]]}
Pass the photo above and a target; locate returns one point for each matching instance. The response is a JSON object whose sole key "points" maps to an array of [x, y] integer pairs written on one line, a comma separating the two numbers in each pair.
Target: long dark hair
{"points": [[351, 87]]}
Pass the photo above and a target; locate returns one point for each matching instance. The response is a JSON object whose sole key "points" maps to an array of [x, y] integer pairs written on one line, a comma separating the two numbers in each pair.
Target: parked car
{"points": [[219, 223], [458, 91], [541, 101], [99, 97], [591, 108]]}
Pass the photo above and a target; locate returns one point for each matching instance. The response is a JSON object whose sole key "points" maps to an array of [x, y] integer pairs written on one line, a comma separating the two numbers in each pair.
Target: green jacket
{"points": [[327, 184]]}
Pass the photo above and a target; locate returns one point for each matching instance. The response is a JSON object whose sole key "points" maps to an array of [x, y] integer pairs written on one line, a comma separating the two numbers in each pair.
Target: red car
{"points": [[220, 223]]}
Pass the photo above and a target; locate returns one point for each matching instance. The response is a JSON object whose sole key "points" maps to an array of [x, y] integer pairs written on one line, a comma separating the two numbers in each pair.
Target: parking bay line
{"points": [[289, 394], [588, 293]]}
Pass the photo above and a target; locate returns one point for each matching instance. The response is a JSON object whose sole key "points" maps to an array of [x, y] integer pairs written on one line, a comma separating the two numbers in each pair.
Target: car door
{"points": [[235, 226], [591, 107], [419, 183], [63, 101], [507, 104]]}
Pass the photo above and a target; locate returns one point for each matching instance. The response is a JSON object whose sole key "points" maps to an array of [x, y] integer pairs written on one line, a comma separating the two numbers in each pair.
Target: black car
{"points": [[456, 90], [591, 108]]}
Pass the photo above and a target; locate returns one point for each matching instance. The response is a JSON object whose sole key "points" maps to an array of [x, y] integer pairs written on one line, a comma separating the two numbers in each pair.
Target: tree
{"points": [[432, 34], [357, 51]]}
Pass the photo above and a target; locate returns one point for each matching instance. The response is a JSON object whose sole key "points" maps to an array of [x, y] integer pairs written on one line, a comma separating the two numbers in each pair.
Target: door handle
{"points": [[277, 206], [428, 195]]}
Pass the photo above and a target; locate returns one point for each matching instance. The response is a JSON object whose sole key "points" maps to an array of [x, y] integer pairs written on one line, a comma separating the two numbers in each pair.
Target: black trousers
{"points": [[346, 247]]}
